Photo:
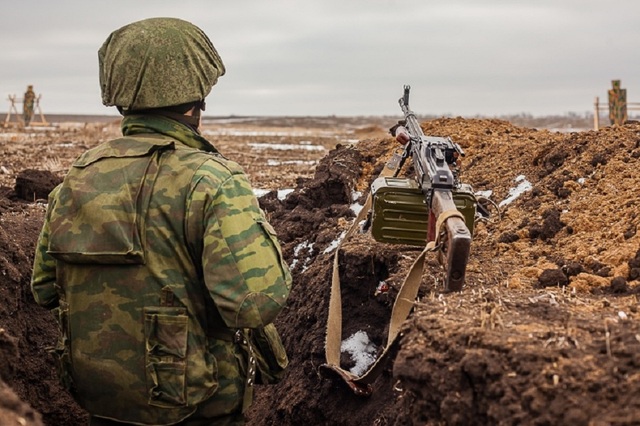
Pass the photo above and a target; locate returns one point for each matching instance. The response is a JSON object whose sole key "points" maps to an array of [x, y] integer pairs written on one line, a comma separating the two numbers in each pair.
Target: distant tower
{"points": [[617, 103]]}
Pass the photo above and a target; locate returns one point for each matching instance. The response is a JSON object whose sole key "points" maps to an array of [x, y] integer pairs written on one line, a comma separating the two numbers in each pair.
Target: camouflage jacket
{"points": [[153, 252]]}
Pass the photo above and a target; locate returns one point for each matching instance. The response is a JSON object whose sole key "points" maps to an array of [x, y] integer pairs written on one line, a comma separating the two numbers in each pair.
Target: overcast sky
{"points": [[346, 57]]}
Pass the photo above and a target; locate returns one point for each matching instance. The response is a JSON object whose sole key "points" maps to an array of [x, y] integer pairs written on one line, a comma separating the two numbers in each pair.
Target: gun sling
{"points": [[362, 385]]}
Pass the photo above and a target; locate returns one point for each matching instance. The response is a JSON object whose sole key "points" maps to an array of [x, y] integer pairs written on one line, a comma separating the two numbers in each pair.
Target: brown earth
{"points": [[544, 332]]}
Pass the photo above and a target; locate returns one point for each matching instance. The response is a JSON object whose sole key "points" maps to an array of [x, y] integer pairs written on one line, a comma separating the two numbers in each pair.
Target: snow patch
{"points": [[282, 193], [271, 162], [334, 243], [362, 351], [286, 146], [296, 252], [523, 186]]}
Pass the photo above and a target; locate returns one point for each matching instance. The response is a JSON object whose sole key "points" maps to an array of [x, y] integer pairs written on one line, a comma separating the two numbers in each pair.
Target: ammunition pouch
{"points": [[270, 354]]}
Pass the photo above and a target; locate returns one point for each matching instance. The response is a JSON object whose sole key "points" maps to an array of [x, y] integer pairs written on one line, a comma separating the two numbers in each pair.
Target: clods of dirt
{"points": [[34, 185]]}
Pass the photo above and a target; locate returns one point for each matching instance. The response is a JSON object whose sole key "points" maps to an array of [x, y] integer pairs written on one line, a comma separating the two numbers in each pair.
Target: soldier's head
{"points": [[158, 64]]}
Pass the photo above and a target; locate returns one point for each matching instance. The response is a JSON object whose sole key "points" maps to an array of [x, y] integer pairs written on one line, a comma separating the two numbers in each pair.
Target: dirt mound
{"points": [[29, 370], [13, 411], [508, 348], [544, 332]]}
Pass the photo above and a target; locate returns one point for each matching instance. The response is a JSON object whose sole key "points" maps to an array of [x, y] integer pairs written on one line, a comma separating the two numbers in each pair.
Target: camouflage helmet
{"points": [[156, 63]]}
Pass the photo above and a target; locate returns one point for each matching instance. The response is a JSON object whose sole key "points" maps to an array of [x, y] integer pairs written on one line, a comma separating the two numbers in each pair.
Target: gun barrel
{"points": [[410, 117], [456, 242]]}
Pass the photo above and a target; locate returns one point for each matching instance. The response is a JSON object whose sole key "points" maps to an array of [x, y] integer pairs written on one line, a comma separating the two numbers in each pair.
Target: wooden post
{"points": [[12, 109], [38, 110], [596, 114]]}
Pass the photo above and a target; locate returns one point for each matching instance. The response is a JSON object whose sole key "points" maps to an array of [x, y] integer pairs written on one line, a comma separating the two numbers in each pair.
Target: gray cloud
{"points": [[348, 57]]}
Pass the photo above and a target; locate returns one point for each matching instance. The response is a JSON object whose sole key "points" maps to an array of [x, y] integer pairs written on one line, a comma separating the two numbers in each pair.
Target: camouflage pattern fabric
{"points": [[153, 253], [157, 62], [617, 103], [28, 105]]}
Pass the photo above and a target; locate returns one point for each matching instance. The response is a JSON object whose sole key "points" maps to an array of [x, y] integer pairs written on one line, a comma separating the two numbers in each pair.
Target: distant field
{"points": [[566, 122]]}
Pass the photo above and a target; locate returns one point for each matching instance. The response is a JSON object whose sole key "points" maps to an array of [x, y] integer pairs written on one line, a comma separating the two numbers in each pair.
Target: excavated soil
{"points": [[544, 332]]}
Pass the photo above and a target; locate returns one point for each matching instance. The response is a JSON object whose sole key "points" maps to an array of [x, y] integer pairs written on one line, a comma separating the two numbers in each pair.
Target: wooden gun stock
{"points": [[455, 240]]}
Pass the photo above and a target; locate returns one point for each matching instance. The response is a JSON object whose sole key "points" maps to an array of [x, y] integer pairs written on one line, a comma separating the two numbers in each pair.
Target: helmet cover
{"points": [[157, 62]]}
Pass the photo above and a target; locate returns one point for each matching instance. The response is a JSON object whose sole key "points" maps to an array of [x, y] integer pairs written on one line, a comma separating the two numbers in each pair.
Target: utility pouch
{"points": [[270, 354], [401, 215], [166, 331]]}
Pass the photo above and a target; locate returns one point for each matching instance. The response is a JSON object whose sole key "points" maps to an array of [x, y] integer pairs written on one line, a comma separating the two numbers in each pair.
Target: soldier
{"points": [[617, 103], [154, 254], [28, 104]]}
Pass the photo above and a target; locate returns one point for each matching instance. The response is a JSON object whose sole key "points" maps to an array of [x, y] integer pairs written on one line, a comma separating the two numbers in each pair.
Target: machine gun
{"points": [[433, 208]]}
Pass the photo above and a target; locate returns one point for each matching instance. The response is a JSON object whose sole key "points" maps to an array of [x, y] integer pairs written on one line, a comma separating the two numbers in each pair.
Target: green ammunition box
{"points": [[466, 203], [400, 213]]}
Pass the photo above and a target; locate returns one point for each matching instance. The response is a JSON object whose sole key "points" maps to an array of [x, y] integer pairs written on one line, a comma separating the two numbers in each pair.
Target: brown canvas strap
{"points": [[361, 385]]}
